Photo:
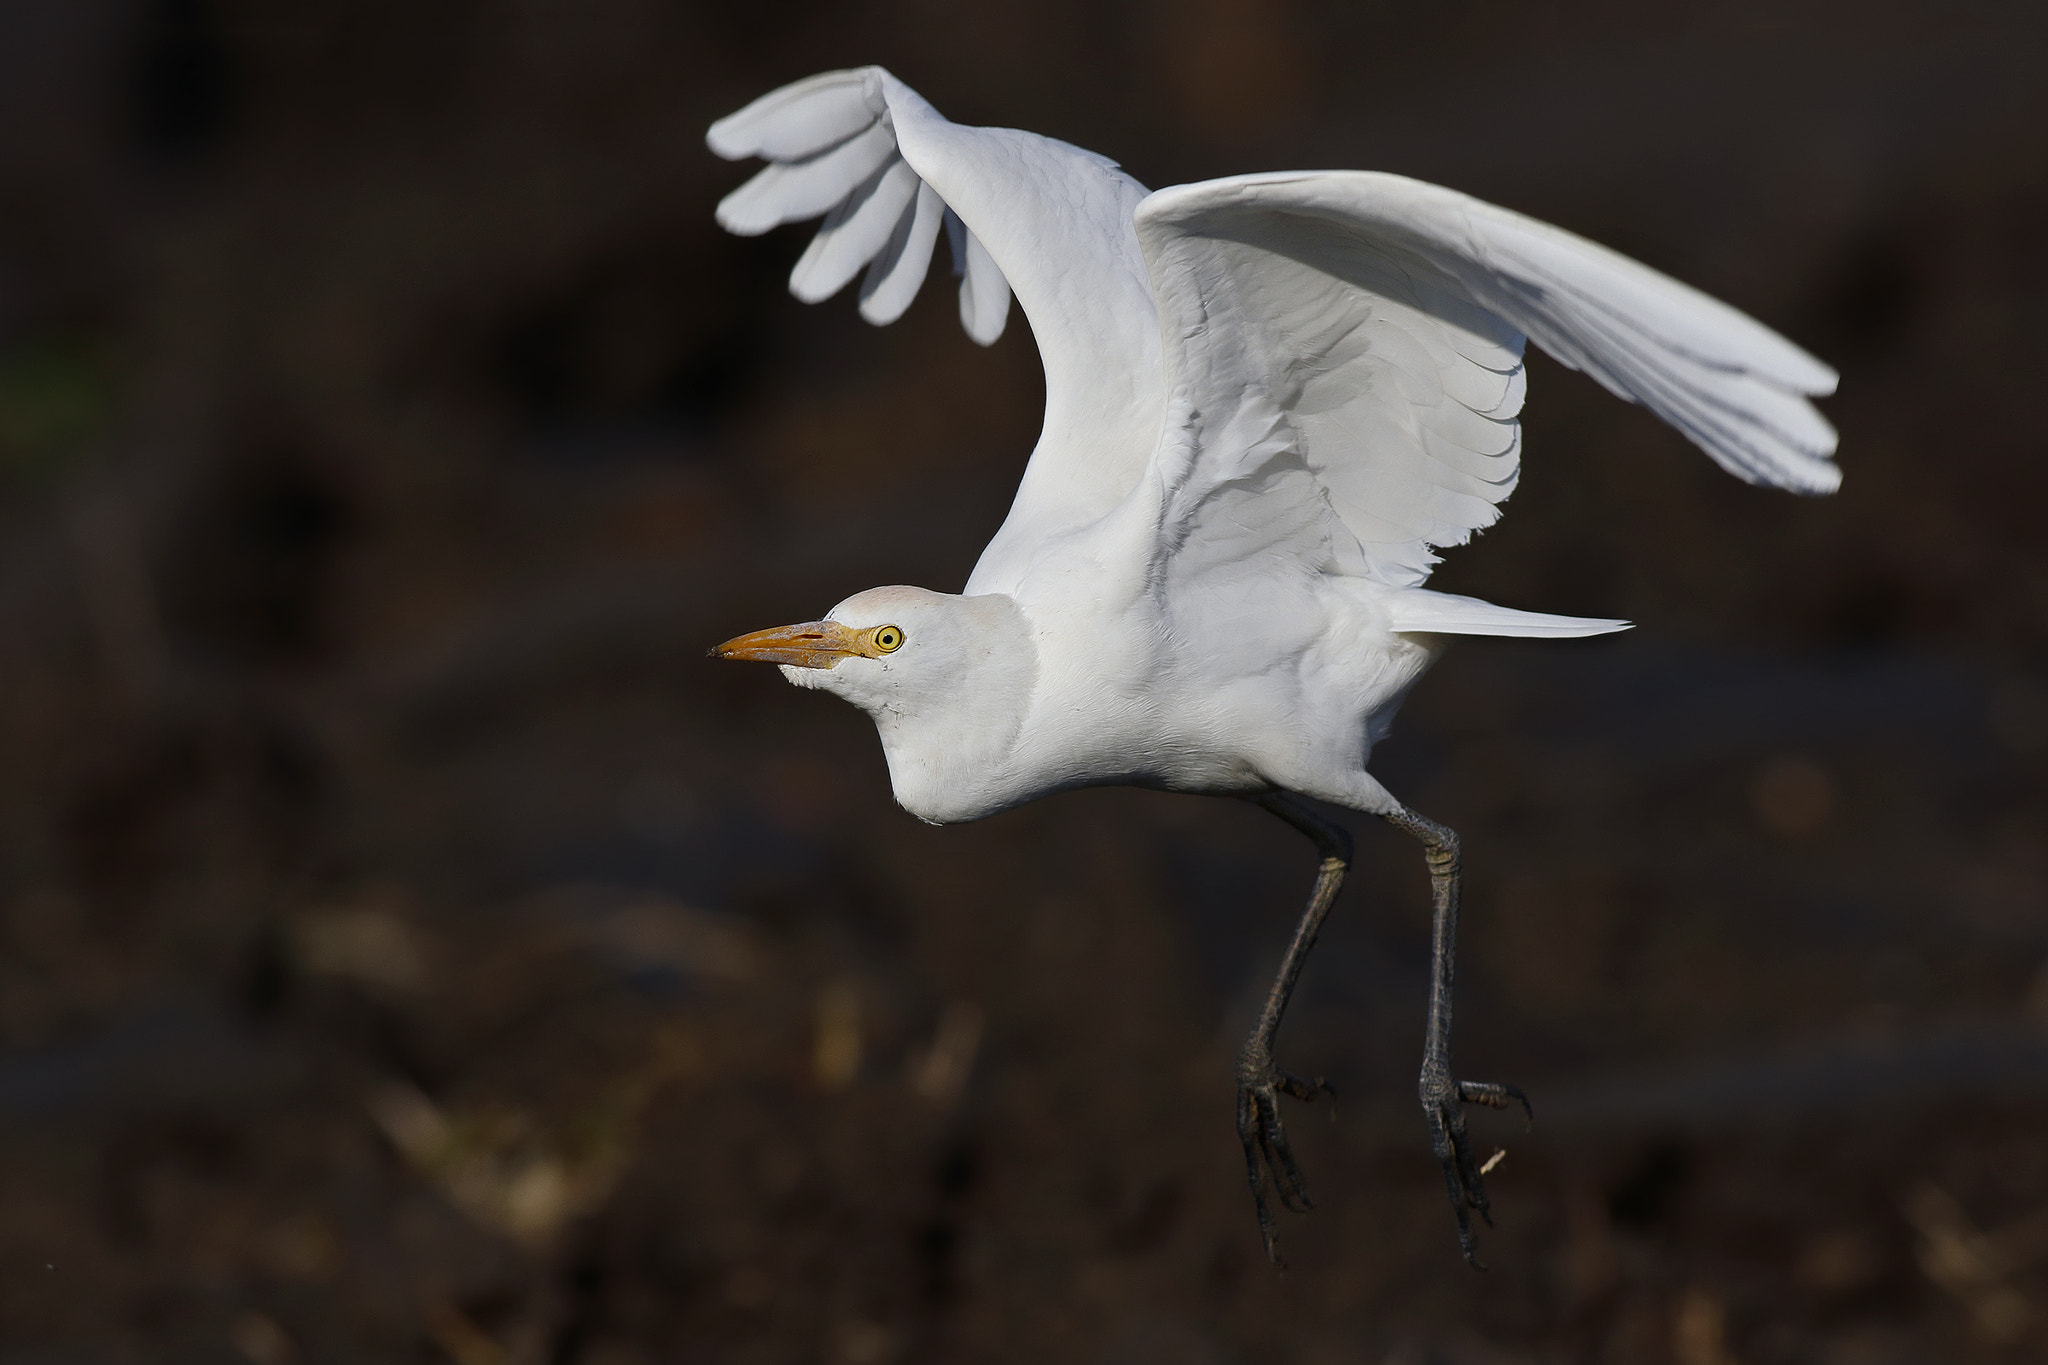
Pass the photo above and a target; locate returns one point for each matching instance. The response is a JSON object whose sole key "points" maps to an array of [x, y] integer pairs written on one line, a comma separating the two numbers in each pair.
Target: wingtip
{"points": [[732, 215], [1810, 473], [1826, 479], [720, 139], [1590, 626], [783, 123]]}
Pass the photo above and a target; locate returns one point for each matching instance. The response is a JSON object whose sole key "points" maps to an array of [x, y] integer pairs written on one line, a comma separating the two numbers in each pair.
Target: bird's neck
{"points": [[952, 758]]}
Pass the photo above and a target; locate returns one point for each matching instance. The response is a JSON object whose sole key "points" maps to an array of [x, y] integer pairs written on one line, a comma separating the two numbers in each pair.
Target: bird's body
{"points": [[1105, 684], [1268, 398]]}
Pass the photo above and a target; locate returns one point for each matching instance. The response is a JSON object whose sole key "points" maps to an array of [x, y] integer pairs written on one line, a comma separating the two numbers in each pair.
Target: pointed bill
{"points": [[811, 644]]}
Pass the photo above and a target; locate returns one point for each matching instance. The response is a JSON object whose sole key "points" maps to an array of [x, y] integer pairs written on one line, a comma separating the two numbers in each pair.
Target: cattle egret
{"points": [[1267, 399]]}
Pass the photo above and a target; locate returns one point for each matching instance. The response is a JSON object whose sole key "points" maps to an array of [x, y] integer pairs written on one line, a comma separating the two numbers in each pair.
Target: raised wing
{"points": [[830, 142], [1350, 343], [1049, 220]]}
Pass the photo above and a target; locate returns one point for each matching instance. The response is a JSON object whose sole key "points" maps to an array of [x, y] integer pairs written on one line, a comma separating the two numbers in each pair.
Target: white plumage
{"points": [[1269, 399]]}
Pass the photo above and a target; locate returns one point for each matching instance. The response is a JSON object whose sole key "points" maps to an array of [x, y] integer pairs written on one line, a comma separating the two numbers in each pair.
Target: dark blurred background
{"points": [[413, 949]]}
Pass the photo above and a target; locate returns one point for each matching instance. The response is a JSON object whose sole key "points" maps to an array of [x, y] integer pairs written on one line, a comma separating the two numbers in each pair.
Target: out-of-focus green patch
{"points": [[55, 397]]}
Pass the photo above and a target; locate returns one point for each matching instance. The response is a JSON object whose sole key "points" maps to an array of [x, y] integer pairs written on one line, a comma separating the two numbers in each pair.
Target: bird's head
{"points": [[946, 678]]}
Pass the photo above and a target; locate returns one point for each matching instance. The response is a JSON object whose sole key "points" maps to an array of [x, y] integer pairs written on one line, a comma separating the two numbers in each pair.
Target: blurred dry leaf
{"points": [[413, 1122], [369, 942], [1975, 1266], [942, 1071], [494, 1164], [510, 1172]]}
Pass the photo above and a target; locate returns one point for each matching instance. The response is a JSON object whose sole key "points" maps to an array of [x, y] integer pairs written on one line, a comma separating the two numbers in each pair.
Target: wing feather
{"points": [[898, 271], [1383, 320], [1325, 367], [855, 232], [798, 120], [984, 293], [791, 191], [1045, 221]]}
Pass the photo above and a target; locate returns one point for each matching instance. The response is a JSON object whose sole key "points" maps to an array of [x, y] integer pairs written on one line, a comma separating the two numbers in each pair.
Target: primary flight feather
{"points": [[1269, 400]]}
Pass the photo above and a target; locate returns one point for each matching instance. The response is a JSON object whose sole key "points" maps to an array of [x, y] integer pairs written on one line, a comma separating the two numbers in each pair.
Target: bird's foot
{"points": [[1441, 1098], [1268, 1159]]}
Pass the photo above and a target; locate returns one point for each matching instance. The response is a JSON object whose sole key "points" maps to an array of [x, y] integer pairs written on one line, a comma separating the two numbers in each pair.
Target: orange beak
{"points": [[813, 644]]}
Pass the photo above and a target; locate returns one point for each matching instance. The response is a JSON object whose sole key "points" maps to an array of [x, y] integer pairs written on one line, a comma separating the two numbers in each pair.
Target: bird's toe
{"points": [[1270, 1165], [1464, 1178]]}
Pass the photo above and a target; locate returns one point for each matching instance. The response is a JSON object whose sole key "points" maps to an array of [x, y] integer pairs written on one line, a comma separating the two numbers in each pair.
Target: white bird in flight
{"points": [[1268, 398]]}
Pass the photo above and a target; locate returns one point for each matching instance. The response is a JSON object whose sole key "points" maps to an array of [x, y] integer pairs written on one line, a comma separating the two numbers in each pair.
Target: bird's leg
{"points": [[1441, 1093], [1269, 1161]]}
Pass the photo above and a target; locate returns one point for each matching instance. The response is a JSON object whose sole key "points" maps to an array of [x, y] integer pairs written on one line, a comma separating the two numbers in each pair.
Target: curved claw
{"points": [[1270, 1167], [1462, 1179], [1495, 1095], [1306, 1089]]}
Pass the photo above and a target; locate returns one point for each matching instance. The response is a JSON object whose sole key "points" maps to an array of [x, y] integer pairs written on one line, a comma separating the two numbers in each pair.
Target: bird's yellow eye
{"points": [[888, 639]]}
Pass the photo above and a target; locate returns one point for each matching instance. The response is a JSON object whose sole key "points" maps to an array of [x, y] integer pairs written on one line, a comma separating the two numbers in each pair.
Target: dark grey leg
{"points": [[1269, 1161], [1441, 1094]]}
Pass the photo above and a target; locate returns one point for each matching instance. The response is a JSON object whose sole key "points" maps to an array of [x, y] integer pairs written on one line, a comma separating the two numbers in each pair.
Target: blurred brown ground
{"points": [[412, 949]]}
